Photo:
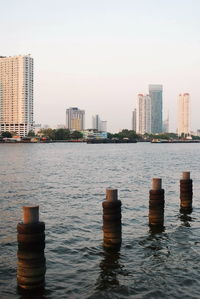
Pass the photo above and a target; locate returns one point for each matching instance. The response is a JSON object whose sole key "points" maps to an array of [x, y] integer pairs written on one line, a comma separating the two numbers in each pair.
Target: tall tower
{"points": [[96, 123], [16, 94], [183, 114], [155, 92], [103, 126], [75, 119], [166, 124], [134, 120], [144, 114]]}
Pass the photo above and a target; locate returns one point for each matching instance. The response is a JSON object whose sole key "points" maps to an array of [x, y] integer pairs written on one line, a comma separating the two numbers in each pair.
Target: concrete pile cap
{"points": [[111, 194], [186, 175], [156, 184], [30, 214]]}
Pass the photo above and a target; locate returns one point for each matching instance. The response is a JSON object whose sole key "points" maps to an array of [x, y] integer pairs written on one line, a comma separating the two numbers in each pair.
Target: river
{"points": [[68, 181]]}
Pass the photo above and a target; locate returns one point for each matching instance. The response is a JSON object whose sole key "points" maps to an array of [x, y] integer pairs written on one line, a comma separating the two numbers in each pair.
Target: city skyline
{"points": [[100, 55]]}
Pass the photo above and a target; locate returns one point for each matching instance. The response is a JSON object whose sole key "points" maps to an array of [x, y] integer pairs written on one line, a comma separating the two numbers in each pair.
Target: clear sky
{"points": [[99, 54]]}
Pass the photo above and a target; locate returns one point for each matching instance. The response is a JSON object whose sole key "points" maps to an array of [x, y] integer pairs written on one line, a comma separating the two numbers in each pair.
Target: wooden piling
{"points": [[156, 203], [186, 193], [31, 266], [112, 235]]}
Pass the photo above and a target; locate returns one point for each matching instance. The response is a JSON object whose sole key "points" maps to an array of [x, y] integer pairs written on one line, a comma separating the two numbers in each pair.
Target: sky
{"points": [[99, 54]]}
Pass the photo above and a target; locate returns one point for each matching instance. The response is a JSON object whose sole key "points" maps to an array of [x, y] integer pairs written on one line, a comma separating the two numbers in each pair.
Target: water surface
{"points": [[68, 181]]}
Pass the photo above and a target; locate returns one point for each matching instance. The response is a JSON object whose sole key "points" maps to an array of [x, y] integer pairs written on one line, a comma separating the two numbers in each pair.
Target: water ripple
{"points": [[68, 181]]}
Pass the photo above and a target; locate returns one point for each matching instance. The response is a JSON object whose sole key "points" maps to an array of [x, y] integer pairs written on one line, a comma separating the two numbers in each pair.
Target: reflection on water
{"points": [[109, 269], [153, 230], [39, 294], [185, 218], [186, 211]]}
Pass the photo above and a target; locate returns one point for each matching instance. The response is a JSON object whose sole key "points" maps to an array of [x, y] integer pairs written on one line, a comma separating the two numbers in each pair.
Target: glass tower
{"points": [[155, 92]]}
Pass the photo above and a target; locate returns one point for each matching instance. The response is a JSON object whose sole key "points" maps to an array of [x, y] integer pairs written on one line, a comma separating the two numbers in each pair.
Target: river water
{"points": [[68, 181]]}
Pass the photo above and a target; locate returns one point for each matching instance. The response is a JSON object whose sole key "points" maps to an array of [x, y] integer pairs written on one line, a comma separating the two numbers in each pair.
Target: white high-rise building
{"points": [[98, 124], [103, 126], [16, 94], [144, 114], [183, 114]]}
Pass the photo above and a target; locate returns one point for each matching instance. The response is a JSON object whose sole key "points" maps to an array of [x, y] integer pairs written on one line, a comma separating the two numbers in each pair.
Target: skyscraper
{"points": [[166, 124], [75, 119], [103, 126], [16, 94], [155, 92], [144, 114], [183, 114], [134, 120], [98, 124]]}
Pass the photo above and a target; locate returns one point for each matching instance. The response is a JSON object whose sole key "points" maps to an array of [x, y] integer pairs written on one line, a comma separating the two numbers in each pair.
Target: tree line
{"points": [[66, 134]]}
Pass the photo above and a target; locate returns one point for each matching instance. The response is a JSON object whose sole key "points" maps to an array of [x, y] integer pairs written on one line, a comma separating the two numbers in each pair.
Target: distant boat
{"points": [[174, 141], [160, 141]]}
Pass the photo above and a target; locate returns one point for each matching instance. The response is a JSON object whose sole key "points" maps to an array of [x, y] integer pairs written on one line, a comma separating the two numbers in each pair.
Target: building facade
{"points": [[134, 120], [144, 114], [183, 114], [93, 134], [103, 125], [155, 93], [75, 119], [166, 124], [98, 124], [16, 94]]}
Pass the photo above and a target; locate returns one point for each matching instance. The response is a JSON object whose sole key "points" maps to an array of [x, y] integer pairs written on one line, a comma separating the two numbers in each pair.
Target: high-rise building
{"points": [[98, 124], [103, 126], [144, 114], [155, 92], [166, 124], [16, 94], [183, 114], [134, 119], [75, 119]]}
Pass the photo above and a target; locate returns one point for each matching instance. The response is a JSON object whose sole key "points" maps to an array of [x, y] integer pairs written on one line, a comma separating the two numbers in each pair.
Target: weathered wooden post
{"points": [[31, 266], [112, 219], [186, 192], [156, 203]]}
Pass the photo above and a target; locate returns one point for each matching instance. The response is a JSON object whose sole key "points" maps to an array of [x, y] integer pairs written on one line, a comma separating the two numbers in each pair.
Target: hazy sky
{"points": [[99, 54]]}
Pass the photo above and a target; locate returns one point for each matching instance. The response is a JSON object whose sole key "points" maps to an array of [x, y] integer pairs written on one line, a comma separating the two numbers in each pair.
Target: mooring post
{"points": [[186, 192], [31, 266], [112, 236], [156, 203]]}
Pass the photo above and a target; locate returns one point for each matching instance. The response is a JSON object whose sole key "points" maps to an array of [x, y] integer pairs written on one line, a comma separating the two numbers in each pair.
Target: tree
{"points": [[76, 135], [49, 133], [6, 134], [130, 134], [31, 133], [109, 135], [62, 134]]}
